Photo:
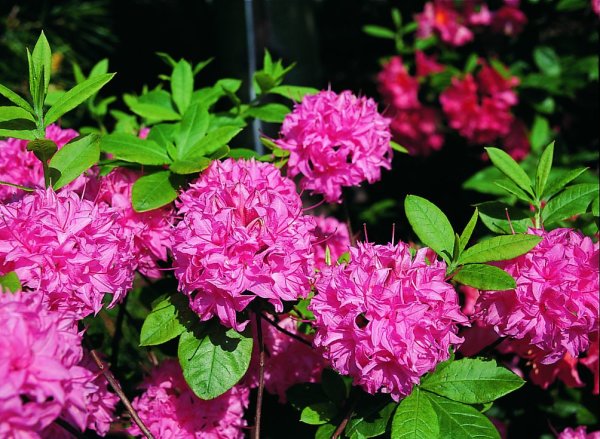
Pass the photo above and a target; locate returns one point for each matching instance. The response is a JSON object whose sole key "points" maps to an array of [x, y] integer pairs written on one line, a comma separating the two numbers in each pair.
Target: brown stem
{"points": [[117, 388], [342, 426], [284, 331], [261, 375]]}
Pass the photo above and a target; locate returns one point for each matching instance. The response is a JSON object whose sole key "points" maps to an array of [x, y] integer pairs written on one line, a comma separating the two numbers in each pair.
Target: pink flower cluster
{"points": [[44, 374], [414, 125], [151, 231], [22, 167], [479, 108], [170, 409], [386, 318], [288, 361], [454, 22], [243, 235], [332, 234], [73, 250], [555, 305], [578, 433], [335, 141]]}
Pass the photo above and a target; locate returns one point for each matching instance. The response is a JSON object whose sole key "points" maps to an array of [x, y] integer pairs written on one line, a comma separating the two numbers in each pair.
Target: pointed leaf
{"points": [[43, 149], [499, 248], [42, 60], [184, 167], [274, 113], [468, 231], [153, 111], [16, 99], [510, 168], [211, 142], [515, 190], [379, 31], [495, 215], [10, 281], [133, 149], [461, 421], [193, 128], [166, 320], [318, 413], [76, 96], [293, 92], [485, 277], [557, 184], [572, 201], [10, 113], [430, 224], [471, 381], [153, 191], [543, 170], [214, 359], [415, 418], [182, 85], [370, 421], [73, 159]]}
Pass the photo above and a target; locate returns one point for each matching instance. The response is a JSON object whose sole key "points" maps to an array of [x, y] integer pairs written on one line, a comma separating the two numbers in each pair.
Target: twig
{"points": [[68, 427], [284, 331], [261, 376], [117, 388], [342, 426]]}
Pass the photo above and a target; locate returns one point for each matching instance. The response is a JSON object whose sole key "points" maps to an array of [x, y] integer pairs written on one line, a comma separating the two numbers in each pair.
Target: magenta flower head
{"points": [[578, 433], [73, 250], [170, 409], [151, 230], [336, 140], [386, 318], [43, 372], [555, 304], [243, 235]]}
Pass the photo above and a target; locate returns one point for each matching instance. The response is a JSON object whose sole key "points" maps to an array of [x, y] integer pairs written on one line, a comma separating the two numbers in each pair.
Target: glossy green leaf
{"points": [[471, 381], [465, 236], [269, 112], [415, 418], [16, 99], [495, 216], [318, 413], [153, 191], [515, 190], [211, 142], [461, 421], [193, 127], [166, 320], [543, 170], [43, 149], [10, 113], [42, 61], [182, 85], [540, 133], [10, 282], [485, 277], [574, 200], [184, 167], [293, 92], [243, 153], [133, 149], [509, 167], [379, 32], [214, 359], [431, 225], [397, 147], [73, 159], [76, 96], [485, 180], [499, 248], [554, 185], [547, 60], [370, 421]]}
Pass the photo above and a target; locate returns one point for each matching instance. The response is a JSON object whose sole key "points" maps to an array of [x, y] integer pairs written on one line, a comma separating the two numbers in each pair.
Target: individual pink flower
{"points": [[335, 141], [398, 88], [243, 235], [508, 20], [418, 130], [22, 167], [386, 318], [43, 374], [171, 410], [287, 361], [426, 65], [578, 433], [440, 17], [151, 230], [555, 305], [73, 250], [477, 13], [332, 234]]}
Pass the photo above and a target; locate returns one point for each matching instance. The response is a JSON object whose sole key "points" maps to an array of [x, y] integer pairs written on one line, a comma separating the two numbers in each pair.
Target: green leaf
{"points": [[18, 133], [572, 201], [42, 61], [193, 128], [379, 32], [415, 418], [370, 421], [515, 190], [43, 149], [468, 231], [495, 216], [325, 431], [214, 359], [76, 96], [485, 277], [150, 111], [540, 133], [16, 99], [211, 142], [543, 170], [264, 81], [293, 92], [10, 113], [397, 147], [460, 421], [243, 153], [184, 167], [510, 168], [547, 60], [269, 112], [304, 394], [471, 381], [166, 320], [73, 159], [153, 191], [10, 281], [133, 149], [596, 206], [319, 413], [554, 185], [431, 225], [182, 85], [499, 248], [484, 181]]}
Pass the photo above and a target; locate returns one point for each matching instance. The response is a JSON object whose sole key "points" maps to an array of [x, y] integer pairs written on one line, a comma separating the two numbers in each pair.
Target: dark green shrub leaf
{"points": [[415, 418], [182, 85], [543, 170], [495, 216], [468, 231], [370, 421], [318, 413], [509, 167], [294, 92], [43, 149], [572, 201], [557, 182], [16, 99], [499, 248], [485, 277], [269, 112], [379, 32], [166, 320], [153, 191], [131, 148], [211, 142], [192, 129], [73, 159]]}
